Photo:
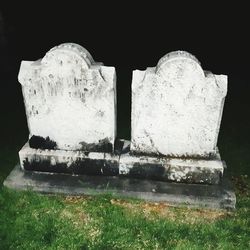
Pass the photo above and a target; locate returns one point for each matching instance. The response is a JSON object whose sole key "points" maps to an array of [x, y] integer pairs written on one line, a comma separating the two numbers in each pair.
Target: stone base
{"points": [[219, 196], [68, 161], [188, 170], [123, 163]]}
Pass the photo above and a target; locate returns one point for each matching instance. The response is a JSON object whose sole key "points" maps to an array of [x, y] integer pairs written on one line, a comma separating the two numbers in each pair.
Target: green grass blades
{"points": [[33, 221]]}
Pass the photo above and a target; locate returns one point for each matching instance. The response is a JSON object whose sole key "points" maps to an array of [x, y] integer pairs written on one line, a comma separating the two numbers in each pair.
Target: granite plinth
{"points": [[220, 196]]}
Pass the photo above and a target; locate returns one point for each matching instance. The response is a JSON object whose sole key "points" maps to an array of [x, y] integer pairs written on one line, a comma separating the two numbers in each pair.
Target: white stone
{"points": [[172, 169], [69, 98], [176, 108]]}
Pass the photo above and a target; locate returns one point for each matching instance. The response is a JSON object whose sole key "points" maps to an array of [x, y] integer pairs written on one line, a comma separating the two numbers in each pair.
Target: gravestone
{"points": [[70, 103], [176, 115], [69, 100]]}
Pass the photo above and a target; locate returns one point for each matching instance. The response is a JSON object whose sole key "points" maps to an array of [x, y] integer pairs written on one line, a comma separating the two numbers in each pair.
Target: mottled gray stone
{"points": [[122, 163], [194, 195], [206, 171], [68, 161]]}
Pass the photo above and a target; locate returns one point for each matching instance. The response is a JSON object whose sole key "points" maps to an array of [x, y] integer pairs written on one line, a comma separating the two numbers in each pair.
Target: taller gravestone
{"points": [[70, 103], [70, 100]]}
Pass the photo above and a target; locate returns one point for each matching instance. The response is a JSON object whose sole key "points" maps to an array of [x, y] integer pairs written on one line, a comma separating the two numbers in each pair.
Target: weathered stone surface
{"points": [[70, 100], [68, 161], [122, 163], [177, 108], [219, 196], [172, 169]]}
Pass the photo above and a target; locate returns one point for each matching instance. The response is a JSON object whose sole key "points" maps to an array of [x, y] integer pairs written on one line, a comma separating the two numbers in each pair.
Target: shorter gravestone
{"points": [[70, 103], [176, 115]]}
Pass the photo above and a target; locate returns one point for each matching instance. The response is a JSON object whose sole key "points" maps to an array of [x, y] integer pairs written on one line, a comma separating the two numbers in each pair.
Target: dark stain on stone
{"points": [[147, 171], [80, 166], [120, 148], [140, 153], [86, 153], [158, 172], [39, 142], [95, 167], [100, 113], [103, 145], [45, 166], [204, 177], [209, 156]]}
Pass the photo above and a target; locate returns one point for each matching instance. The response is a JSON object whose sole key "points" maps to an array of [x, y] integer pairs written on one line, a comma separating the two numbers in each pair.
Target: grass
{"points": [[33, 221]]}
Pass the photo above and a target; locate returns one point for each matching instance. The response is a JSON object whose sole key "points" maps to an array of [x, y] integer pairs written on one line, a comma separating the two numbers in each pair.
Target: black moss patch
{"points": [[95, 167], [148, 171], [45, 166], [140, 153], [210, 156], [80, 167], [102, 146], [160, 173], [39, 142], [204, 176], [121, 147]]}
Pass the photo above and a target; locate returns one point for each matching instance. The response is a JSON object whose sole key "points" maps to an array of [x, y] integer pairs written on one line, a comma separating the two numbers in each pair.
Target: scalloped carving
{"points": [[75, 52], [163, 67]]}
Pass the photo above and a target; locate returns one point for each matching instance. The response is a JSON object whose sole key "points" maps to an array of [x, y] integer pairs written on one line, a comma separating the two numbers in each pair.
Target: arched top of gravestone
{"points": [[68, 51], [179, 62]]}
